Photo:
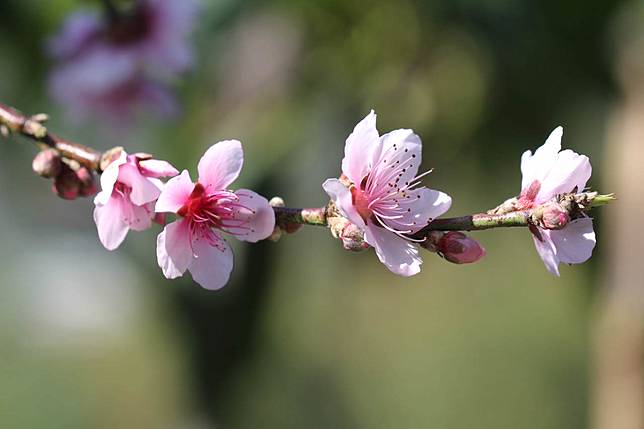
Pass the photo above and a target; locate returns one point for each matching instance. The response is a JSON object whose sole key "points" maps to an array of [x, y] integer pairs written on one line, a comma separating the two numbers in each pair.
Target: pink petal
{"points": [[221, 164], [79, 30], [157, 168], [359, 148], [547, 251], [174, 251], [109, 178], [428, 207], [97, 71], [154, 95], [401, 148], [143, 190], [258, 213], [211, 266], [568, 171], [109, 223], [169, 46], [175, 193], [399, 255], [574, 244], [138, 218], [341, 196], [534, 167]]}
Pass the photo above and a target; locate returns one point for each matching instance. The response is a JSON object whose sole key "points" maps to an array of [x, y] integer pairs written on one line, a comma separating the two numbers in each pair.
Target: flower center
{"points": [[121, 189], [201, 208], [222, 210], [361, 201], [129, 27]]}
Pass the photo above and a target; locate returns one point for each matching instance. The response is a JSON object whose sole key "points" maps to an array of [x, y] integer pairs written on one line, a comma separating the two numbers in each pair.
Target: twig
{"points": [[573, 204], [32, 127]]}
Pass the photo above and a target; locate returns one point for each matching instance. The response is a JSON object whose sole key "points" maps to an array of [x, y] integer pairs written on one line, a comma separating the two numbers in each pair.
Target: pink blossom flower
{"points": [[108, 65], [130, 186], [547, 173], [384, 198], [205, 209]]}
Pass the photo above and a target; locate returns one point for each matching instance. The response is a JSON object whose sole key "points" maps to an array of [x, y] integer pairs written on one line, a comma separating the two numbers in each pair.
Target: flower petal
{"points": [[574, 244], [569, 171], [109, 223], [401, 151], [174, 251], [109, 178], [143, 190], [359, 147], [175, 193], [138, 218], [547, 251], [398, 254], [78, 30], [535, 167], [423, 205], [212, 265], [259, 215], [157, 168], [221, 164], [341, 196]]}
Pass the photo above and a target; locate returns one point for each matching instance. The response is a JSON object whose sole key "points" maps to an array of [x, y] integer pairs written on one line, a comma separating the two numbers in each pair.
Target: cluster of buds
{"points": [[71, 179]]}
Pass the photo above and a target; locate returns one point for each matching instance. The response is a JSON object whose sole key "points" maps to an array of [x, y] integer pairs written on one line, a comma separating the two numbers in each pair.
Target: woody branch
{"points": [[505, 216]]}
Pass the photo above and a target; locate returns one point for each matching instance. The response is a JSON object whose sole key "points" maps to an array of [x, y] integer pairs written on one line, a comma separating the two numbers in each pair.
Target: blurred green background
{"points": [[306, 335]]}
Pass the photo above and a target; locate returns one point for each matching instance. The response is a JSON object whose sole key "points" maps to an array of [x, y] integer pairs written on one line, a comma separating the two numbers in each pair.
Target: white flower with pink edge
{"points": [[547, 173], [205, 209], [384, 198]]}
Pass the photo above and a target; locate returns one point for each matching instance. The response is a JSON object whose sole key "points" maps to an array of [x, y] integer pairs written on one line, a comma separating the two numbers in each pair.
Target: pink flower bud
{"points": [[458, 248], [67, 184], [554, 216], [47, 163], [87, 184]]}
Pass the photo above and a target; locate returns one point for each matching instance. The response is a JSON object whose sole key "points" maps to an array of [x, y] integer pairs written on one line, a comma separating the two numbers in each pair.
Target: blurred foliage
{"points": [[306, 335]]}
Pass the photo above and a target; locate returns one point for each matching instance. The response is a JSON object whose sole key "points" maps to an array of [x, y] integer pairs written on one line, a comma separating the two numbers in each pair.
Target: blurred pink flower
{"points": [[130, 186], [111, 66], [547, 173], [383, 198], [193, 242]]}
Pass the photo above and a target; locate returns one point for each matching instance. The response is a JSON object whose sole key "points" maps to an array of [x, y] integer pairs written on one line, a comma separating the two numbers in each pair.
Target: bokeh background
{"points": [[306, 335]]}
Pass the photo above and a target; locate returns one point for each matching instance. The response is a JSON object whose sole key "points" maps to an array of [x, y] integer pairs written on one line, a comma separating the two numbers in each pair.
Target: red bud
{"points": [[67, 184], [458, 248], [87, 184]]}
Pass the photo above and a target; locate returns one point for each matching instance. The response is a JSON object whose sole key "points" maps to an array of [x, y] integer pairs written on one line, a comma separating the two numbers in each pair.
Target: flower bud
{"points": [[67, 184], [47, 163], [458, 248], [554, 216], [87, 184]]}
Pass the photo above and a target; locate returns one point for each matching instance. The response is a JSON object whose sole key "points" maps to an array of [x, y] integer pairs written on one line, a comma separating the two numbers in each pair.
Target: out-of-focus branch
{"points": [[32, 127]]}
